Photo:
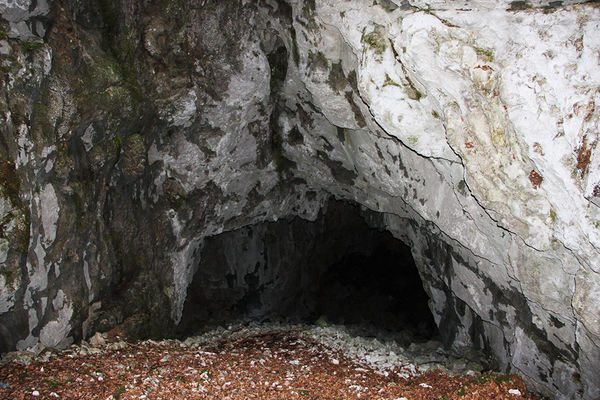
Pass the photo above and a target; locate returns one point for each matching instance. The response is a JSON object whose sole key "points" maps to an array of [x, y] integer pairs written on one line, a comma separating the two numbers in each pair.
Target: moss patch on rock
{"points": [[14, 225], [375, 40]]}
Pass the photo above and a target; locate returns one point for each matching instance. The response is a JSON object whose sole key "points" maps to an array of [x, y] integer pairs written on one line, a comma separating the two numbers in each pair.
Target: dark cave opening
{"points": [[337, 270]]}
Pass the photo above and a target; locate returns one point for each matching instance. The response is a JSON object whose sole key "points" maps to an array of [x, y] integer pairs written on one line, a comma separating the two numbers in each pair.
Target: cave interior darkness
{"points": [[337, 269]]}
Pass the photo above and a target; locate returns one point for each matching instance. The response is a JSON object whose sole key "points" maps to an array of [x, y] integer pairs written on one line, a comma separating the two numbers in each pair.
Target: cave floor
{"points": [[258, 362]]}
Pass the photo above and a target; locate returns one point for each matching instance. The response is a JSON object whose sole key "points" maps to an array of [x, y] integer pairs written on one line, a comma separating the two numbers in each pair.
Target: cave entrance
{"points": [[337, 269]]}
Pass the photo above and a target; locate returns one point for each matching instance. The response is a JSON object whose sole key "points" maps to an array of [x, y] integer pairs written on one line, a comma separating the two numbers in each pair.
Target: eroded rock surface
{"points": [[132, 131]]}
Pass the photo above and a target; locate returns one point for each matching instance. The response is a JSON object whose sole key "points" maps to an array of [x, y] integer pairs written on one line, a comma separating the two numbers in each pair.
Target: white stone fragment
{"points": [[97, 340], [88, 137], [56, 330], [49, 210]]}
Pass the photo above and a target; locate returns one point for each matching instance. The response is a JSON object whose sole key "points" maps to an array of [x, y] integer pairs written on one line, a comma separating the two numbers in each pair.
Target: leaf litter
{"points": [[256, 361]]}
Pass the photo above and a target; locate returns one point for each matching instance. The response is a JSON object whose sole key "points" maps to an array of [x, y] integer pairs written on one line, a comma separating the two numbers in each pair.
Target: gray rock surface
{"points": [[132, 131]]}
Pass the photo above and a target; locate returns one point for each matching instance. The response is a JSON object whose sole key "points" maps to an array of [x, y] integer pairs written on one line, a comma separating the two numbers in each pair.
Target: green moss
{"points": [[9, 276], [41, 126], [52, 382], [485, 54], [552, 215], [172, 7], [488, 377], [117, 142], [308, 11], [9, 182], [15, 225], [104, 83], [498, 135], [117, 394], [412, 140], [374, 40], [102, 71], [411, 91], [32, 46], [109, 238], [121, 43], [3, 35], [21, 232], [435, 114], [390, 82]]}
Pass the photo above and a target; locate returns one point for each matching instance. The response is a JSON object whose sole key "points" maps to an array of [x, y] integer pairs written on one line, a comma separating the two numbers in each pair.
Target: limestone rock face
{"points": [[131, 131]]}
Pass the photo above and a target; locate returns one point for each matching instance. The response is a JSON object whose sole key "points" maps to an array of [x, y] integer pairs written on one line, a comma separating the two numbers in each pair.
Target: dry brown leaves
{"points": [[275, 365]]}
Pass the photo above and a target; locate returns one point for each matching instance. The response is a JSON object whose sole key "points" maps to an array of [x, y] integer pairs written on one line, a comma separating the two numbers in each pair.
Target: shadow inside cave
{"points": [[336, 270]]}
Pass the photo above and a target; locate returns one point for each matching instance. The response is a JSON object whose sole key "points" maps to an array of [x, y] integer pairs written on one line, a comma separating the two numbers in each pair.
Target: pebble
{"points": [[35, 393], [515, 392], [381, 354], [97, 340], [21, 357], [117, 345]]}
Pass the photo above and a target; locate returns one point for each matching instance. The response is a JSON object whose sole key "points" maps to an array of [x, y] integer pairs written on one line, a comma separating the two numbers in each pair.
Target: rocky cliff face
{"points": [[133, 130]]}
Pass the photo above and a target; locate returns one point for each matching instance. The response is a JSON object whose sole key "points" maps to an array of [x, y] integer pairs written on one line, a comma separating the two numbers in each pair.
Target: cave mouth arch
{"points": [[337, 269]]}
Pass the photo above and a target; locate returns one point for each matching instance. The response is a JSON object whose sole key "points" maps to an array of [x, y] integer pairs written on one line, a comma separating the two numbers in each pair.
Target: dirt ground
{"points": [[265, 365]]}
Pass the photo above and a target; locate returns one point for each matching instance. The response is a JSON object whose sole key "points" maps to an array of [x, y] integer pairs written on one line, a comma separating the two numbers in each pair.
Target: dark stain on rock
{"points": [[556, 322], [379, 153], [295, 137], [317, 61], [360, 119], [552, 6], [336, 79], [402, 167], [462, 187], [341, 134], [519, 6], [295, 52], [352, 80], [264, 135], [306, 118], [387, 5], [339, 172], [327, 146], [278, 63], [173, 190]]}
